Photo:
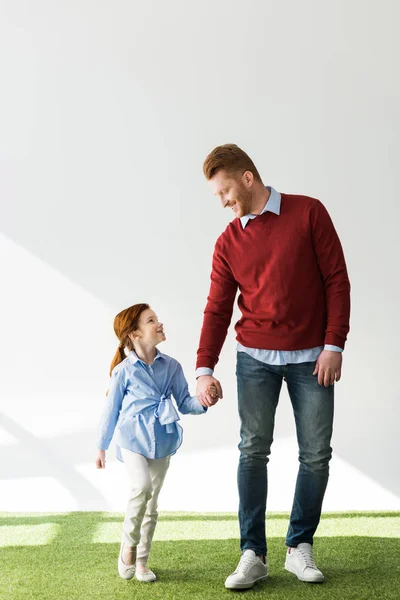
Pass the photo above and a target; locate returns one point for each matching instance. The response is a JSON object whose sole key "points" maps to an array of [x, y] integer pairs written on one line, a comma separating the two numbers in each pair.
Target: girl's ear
{"points": [[133, 336]]}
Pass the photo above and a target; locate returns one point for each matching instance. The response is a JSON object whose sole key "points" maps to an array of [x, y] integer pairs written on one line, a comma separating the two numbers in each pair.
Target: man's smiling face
{"points": [[232, 191]]}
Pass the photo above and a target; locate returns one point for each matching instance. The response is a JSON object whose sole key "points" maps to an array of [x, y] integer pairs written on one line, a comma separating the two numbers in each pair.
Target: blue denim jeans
{"points": [[259, 386]]}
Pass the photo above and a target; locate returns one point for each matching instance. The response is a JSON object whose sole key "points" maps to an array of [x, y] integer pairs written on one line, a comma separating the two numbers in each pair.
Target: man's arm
{"points": [[332, 265], [330, 257], [217, 318]]}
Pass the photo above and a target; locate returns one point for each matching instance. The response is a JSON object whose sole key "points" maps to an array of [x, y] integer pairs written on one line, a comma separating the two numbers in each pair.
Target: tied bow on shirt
{"points": [[166, 413]]}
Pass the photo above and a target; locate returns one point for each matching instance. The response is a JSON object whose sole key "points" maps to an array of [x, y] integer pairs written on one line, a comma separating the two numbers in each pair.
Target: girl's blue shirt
{"points": [[140, 407]]}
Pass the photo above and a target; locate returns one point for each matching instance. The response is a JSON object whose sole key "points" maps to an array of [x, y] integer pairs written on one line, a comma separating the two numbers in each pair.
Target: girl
{"points": [[139, 403]]}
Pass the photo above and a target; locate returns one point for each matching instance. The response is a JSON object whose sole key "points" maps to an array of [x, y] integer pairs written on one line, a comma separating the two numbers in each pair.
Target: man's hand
{"points": [[328, 367], [203, 393]]}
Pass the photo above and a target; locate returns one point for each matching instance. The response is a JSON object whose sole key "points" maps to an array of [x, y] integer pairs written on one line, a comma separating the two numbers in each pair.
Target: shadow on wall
{"points": [[34, 457]]}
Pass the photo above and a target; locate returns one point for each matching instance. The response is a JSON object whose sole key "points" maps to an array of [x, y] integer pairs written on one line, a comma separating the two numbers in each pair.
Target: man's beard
{"points": [[244, 200]]}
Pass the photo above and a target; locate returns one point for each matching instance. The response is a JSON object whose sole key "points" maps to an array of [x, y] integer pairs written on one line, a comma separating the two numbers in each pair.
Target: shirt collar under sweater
{"points": [[273, 205]]}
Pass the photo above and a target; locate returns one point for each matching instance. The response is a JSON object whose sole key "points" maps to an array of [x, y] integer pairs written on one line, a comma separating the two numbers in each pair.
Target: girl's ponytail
{"points": [[119, 356]]}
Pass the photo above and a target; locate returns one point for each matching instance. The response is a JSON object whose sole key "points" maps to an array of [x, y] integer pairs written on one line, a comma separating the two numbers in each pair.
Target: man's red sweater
{"points": [[292, 277]]}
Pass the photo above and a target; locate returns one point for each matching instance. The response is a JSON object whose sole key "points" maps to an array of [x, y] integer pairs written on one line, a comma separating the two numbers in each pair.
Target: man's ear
{"points": [[248, 178]]}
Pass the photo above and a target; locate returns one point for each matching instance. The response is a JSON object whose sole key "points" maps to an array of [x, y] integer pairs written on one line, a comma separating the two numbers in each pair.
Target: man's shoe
{"points": [[300, 561], [249, 570], [145, 574], [125, 571]]}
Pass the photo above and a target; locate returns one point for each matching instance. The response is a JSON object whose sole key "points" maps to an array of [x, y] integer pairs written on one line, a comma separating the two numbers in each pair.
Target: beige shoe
{"points": [[125, 571], [143, 573]]}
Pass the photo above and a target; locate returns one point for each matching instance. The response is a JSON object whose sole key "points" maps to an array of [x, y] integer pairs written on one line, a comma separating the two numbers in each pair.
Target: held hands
{"points": [[328, 367], [212, 390], [101, 459], [208, 390]]}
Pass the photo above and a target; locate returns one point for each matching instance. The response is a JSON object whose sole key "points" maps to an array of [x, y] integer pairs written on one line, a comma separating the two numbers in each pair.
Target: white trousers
{"points": [[146, 477]]}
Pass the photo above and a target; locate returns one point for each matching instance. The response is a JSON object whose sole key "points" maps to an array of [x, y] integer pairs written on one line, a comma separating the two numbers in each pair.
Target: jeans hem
{"points": [[295, 544], [262, 552]]}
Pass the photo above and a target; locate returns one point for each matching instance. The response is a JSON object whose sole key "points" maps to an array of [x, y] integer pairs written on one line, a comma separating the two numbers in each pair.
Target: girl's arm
{"points": [[111, 410], [186, 403]]}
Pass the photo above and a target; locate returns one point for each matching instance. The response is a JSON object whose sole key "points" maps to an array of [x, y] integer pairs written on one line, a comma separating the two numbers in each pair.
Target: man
{"points": [[283, 254]]}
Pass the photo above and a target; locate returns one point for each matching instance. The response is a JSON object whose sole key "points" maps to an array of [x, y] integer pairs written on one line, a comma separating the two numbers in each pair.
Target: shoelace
{"points": [[245, 563], [308, 558]]}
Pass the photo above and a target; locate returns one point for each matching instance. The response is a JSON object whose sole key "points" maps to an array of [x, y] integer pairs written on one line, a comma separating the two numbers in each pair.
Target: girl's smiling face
{"points": [[150, 331]]}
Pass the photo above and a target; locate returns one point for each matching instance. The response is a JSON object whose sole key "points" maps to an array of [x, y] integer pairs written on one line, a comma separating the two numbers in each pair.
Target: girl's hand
{"points": [[101, 459], [212, 390]]}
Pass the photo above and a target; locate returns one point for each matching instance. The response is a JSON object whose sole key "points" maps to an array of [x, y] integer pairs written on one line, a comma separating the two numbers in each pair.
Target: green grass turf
{"points": [[74, 557]]}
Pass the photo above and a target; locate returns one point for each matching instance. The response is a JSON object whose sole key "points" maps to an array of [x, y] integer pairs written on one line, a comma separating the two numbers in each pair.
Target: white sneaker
{"points": [[125, 571], [249, 570], [300, 561], [145, 574]]}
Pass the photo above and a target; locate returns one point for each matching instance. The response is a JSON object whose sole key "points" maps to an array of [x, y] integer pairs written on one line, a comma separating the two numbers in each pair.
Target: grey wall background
{"points": [[107, 112]]}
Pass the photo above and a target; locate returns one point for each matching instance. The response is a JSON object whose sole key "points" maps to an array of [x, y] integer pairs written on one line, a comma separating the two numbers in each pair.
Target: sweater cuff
{"points": [[332, 339], [333, 348], [203, 371]]}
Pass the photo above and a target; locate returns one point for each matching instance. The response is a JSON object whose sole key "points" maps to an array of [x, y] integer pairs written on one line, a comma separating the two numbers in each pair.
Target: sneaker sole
{"points": [[244, 586], [303, 578]]}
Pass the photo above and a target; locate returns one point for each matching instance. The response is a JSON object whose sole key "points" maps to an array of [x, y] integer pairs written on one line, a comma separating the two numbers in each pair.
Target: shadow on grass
{"points": [[73, 568]]}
